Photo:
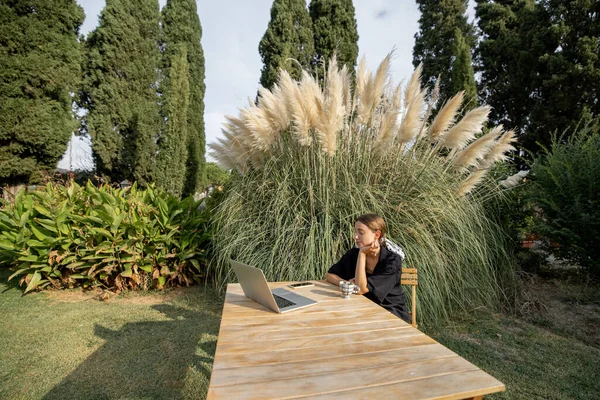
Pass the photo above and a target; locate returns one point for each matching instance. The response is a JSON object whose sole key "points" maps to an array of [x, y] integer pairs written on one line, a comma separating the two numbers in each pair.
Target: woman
{"points": [[372, 267]]}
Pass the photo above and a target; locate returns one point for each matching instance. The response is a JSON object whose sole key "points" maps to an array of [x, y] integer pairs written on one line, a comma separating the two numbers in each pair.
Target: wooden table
{"points": [[339, 348]]}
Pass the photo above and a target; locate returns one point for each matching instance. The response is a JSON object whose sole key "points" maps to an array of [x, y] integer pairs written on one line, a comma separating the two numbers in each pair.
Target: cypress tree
{"points": [[181, 27], [463, 75], [540, 65], [435, 43], [508, 57], [173, 143], [289, 37], [335, 31], [570, 90], [40, 60], [120, 90]]}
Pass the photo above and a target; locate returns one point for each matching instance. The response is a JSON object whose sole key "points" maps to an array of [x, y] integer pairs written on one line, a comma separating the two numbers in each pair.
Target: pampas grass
{"points": [[465, 130], [477, 150], [327, 115], [514, 180], [472, 180], [446, 117], [291, 208], [500, 149]]}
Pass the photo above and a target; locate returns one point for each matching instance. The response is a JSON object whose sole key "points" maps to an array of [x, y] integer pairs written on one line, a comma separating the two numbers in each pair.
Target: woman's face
{"points": [[363, 235]]}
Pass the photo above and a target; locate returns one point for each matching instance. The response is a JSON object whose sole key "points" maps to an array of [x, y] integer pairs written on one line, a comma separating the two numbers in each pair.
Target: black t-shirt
{"points": [[383, 284]]}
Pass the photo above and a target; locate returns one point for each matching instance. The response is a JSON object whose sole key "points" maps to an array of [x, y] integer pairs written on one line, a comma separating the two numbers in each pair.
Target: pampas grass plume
{"points": [[472, 180], [414, 85], [446, 116], [464, 131], [501, 147], [514, 180], [477, 150]]}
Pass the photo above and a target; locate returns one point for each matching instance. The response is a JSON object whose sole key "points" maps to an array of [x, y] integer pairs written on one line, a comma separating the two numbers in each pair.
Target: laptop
{"points": [[255, 286]]}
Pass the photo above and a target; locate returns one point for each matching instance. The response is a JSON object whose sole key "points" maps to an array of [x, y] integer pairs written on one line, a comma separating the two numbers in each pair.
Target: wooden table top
{"points": [[338, 348]]}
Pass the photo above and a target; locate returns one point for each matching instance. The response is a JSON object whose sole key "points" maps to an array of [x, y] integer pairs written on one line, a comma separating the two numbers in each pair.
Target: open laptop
{"points": [[255, 286]]}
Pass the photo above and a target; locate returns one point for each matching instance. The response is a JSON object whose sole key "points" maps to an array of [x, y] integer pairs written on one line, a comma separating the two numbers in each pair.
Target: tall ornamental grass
{"points": [[310, 160]]}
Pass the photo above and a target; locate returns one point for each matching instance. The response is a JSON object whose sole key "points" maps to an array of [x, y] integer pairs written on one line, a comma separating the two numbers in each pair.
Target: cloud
{"points": [[382, 14]]}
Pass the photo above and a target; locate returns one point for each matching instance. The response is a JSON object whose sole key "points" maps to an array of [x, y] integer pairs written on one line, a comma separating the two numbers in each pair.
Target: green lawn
{"points": [[73, 345], [532, 361]]}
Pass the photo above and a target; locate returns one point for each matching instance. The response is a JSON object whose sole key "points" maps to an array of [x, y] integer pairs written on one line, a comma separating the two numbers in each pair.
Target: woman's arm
{"points": [[333, 278], [342, 270], [360, 275]]}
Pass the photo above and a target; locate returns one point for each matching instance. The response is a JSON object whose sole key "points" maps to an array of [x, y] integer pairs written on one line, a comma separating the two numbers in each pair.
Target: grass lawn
{"points": [[74, 345], [552, 351]]}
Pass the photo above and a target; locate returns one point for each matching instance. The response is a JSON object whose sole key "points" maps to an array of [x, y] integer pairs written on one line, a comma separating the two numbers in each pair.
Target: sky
{"points": [[231, 32]]}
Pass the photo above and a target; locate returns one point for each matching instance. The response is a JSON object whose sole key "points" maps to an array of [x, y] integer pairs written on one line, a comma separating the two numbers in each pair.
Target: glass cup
{"points": [[348, 288]]}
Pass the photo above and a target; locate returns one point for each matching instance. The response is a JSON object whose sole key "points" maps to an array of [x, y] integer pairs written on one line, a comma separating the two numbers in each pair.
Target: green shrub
{"points": [[566, 188], [67, 236]]}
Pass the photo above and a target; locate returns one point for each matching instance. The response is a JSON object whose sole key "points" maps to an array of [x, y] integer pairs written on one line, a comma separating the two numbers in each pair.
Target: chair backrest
{"points": [[410, 277]]}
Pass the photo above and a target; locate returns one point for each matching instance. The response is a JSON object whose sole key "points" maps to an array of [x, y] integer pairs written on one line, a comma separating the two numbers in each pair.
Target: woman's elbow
{"points": [[331, 278]]}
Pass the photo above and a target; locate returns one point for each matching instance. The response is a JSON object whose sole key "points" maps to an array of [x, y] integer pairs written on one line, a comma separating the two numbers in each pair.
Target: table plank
{"points": [[237, 375], [321, 291], [228, 360], [348, 381], [454, 386], [233, 334], [278, 323], [257, 311], [243, 345]]}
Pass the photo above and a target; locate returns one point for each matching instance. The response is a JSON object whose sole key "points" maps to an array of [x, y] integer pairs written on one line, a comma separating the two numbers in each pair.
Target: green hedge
{"points": [[566, 189], [65, 236]]}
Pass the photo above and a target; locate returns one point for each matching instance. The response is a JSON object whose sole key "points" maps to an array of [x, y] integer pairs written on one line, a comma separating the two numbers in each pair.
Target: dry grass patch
{"points": [[131, 297]]}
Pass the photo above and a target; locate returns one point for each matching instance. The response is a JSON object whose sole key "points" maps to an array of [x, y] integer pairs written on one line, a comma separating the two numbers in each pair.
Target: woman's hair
{"points": [[375, 223]]}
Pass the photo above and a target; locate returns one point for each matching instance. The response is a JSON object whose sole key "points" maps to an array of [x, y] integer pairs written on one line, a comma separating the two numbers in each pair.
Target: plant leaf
{"points": [[24, 218], [35, 280], [127, 273]]}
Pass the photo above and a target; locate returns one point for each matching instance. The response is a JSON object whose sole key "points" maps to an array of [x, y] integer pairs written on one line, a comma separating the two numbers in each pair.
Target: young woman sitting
{"points": [[372, 267]]}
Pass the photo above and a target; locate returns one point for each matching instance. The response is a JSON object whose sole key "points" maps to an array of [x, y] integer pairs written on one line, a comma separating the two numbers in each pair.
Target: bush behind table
{"points": [[309, 160]]}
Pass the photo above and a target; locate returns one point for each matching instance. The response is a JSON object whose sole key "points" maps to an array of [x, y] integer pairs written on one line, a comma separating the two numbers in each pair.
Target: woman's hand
{"points": [[371, 249]]}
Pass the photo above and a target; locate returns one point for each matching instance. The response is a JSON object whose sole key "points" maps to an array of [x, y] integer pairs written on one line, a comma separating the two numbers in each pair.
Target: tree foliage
{"points": [[566, 183], [40, 61], [436, 43], [335, 32], [174, 140], [181, 28], [288, 42], [120, 90], [215, 175], [539, 64], [463, 75]]}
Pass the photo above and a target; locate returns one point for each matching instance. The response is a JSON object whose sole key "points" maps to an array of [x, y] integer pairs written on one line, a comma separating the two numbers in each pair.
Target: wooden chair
{"points": [[409, 277]]}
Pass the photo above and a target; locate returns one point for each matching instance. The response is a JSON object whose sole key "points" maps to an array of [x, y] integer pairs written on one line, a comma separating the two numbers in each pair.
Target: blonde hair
{"points": [[375, 223]]}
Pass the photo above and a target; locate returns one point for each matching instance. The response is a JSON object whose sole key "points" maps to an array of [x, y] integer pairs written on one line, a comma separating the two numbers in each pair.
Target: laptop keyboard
{"points": [[281, 302]]}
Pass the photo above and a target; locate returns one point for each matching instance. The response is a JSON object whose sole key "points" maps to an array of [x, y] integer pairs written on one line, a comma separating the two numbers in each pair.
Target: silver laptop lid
{"points": [[254, 284]]}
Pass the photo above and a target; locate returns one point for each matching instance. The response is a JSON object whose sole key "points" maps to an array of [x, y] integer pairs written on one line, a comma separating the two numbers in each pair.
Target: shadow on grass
{"points": [[13, 284], [144, 359]]}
